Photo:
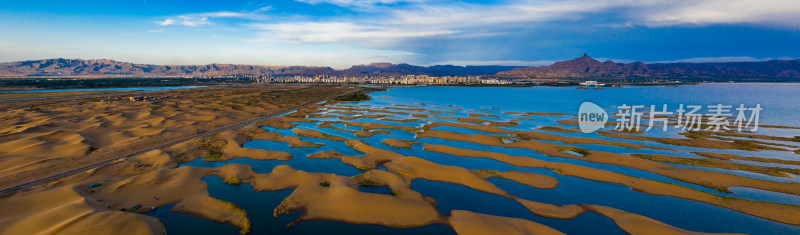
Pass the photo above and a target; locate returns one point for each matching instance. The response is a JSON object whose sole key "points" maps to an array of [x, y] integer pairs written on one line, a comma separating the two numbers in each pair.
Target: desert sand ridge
{"points": [[208, 133]]}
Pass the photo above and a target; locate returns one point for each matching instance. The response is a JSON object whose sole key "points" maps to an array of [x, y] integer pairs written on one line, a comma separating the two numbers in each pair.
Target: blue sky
{"points": [[341, 33]]}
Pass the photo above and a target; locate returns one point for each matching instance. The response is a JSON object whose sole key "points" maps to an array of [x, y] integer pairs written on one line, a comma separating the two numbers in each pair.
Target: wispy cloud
{"points": [[186, 20], [419, 18], [399, 25], [167, 22], [321, 32], [654, 13], [783, 12], [719, 59], [199, 19], [356, 3]]}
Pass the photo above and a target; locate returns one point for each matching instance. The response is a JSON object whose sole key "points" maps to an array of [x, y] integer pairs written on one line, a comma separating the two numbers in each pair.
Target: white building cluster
{"points": [[397, 80], [494, 81]]}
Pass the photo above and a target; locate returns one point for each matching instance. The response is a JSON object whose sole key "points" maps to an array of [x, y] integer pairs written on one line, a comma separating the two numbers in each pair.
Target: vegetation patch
{"points": [[354, 97], [233, 180], [369, 182], [213, 156]]}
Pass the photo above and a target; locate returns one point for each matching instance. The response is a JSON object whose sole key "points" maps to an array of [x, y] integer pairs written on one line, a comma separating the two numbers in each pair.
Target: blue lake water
{"points": [[778, 101]]}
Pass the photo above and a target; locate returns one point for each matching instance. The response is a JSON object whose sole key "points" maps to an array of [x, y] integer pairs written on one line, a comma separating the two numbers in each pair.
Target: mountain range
{"points": [[587, 67], [78, 67], [579, 68], [435, 70]]}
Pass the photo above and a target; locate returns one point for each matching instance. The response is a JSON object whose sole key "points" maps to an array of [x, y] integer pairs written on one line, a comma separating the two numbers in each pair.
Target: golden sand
{"points": [[214, 209], [527, 178], [400, 120], [374, 158], [695, 141], [773, 211], [293, 141], [471, 223], [45, 137], [557, 129], [773, 171], [418, 168], [736, 157], [317, 134], [398, 143], [139, 180], [526, 135], [372, 126], [477, 115], [528, 114], [637, 224], [719, 181]]}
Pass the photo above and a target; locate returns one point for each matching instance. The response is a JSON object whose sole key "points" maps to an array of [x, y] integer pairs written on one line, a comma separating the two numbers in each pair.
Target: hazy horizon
{"points": [[486, 63], [342, 33]]}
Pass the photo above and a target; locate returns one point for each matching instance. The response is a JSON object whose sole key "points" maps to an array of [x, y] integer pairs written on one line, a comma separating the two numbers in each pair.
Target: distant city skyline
{"points": [[342, 33]]}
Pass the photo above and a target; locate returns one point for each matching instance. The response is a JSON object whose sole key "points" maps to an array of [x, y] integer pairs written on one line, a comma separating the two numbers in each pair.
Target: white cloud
{"points": [[719, 59], [652, 13], [355, 3], [783, 12], [321, 32], [478, 15], [193, 21], [199, 19], [185, 20], [167, 22], [382, 26], [435, 18]]}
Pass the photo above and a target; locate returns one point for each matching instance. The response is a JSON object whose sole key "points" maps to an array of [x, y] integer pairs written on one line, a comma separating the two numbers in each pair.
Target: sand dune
{"points": [[774, 211], [714, 180], [293, 141], [69, 206], [100, 130], [471, 223], [65, 144], [214, 209], [527, 178], [418, 168], [63, 211], [398, 143], [637, 224]]}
